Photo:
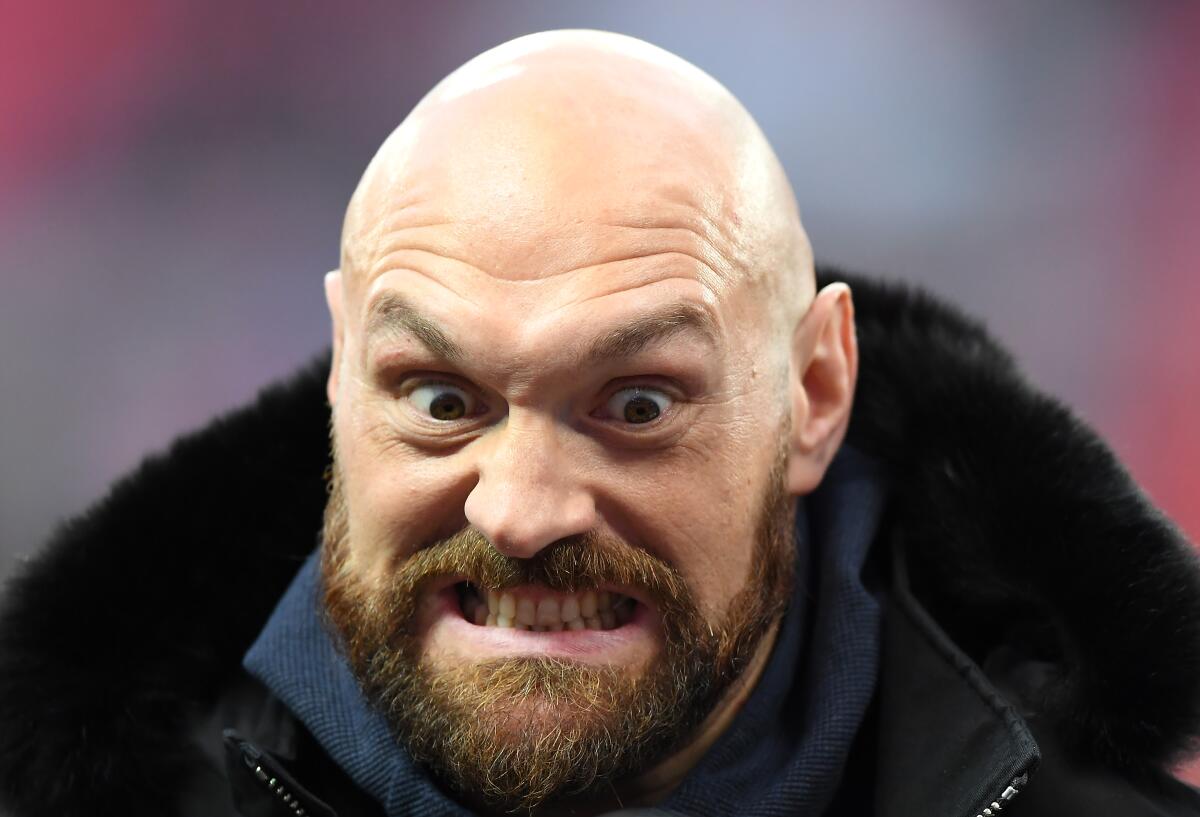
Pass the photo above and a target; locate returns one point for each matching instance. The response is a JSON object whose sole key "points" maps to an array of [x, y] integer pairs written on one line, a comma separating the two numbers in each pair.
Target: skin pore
{"points": [[585, 248]]}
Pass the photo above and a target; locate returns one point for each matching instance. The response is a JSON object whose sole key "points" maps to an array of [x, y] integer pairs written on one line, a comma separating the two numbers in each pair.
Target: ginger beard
{"points": [[517, 732]]}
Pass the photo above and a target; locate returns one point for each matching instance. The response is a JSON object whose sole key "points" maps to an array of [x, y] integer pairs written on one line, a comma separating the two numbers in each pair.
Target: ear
{"points": [[823, 373], [334, 297]]}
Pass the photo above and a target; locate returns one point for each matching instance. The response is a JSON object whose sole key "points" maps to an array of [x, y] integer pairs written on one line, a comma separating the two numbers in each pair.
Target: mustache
{"points": [[579, 562], [582, 562]]}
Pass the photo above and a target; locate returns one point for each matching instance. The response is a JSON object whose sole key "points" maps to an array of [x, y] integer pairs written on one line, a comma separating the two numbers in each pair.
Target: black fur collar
{"points": [[128, 622]]}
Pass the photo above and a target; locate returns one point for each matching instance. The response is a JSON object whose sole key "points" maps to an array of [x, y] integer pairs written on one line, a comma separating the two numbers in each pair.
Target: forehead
{"points": [[524, 273], [559, 270], [569, 321], [516, 157], [526, 205], [551, 286], [526, 183]]}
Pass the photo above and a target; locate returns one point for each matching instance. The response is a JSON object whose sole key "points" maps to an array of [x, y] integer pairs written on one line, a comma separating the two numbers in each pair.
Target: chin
{"points": [[521, 730]]}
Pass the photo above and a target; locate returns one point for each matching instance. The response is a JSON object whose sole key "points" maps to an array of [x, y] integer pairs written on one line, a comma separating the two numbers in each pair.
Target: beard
{"points": [[517, 732]]}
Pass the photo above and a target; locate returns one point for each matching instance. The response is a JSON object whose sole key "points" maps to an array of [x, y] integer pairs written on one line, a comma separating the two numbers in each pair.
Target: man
{"points": [[593, 540]]}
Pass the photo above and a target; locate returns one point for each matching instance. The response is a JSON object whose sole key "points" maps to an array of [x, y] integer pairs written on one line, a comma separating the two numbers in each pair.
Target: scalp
{"points": [[529, 157]]}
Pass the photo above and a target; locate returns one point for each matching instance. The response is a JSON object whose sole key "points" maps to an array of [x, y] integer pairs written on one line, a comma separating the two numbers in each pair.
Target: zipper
{"points": [[250, 770], [279, 790], [1000, 803], [259, 763]]}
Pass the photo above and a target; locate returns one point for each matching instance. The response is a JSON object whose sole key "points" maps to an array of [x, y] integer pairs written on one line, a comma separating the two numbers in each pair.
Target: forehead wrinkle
{"points": [[686, 243], [408, 216], [404, 229], [366, 228], [709, 294], [400, 257], [702, 227], [709, 274], [721, 263], [688, 209]]}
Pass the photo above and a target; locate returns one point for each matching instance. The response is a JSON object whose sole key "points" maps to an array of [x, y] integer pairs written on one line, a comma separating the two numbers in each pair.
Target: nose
{"points": [[528, 495]]}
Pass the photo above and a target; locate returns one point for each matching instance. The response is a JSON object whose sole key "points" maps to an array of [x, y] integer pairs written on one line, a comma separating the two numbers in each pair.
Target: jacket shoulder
{"points": [[128, 624]]}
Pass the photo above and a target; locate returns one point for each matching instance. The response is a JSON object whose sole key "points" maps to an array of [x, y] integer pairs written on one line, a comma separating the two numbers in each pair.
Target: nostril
{"points": [[502, 543]]}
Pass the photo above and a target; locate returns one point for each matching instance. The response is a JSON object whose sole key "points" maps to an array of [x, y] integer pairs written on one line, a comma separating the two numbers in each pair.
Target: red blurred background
{"points": [[172, 178]]}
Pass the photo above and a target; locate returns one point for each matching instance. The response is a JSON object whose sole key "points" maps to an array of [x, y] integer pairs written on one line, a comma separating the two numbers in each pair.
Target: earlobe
{"points": [[334, 298], [823, 374]]}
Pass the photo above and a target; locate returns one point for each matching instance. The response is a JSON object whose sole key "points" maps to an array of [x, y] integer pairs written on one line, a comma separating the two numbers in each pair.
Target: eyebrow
{"points": [[657, 326], [392, 314]]}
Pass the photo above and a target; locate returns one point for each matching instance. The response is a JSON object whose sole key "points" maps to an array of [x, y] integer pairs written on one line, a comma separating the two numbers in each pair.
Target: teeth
{"points": [[526, 612], [590, 609], [547, 612]]}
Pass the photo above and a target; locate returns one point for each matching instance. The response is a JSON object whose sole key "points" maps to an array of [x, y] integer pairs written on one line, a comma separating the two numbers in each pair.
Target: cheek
{"points": [[397, 500], [701, 517]]}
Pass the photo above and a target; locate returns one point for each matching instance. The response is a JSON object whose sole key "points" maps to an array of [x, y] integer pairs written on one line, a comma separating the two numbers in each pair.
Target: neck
{"points": [[655, 785]]}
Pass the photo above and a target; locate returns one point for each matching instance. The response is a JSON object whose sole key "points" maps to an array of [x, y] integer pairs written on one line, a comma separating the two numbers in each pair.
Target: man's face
{"points": [[559, 523], [631, 504]]}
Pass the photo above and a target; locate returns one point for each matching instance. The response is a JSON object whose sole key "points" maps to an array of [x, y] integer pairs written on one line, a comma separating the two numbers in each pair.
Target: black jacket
{"points": [[1041, 649]]}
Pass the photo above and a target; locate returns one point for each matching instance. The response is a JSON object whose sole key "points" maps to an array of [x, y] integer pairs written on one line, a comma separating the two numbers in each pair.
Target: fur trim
{"points": [[123, 629], [1027, 529], [127, 625]]}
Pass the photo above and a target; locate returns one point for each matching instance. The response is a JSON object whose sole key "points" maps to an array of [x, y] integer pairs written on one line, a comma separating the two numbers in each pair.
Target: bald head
{"points": [[576, 306], [565, 150]]}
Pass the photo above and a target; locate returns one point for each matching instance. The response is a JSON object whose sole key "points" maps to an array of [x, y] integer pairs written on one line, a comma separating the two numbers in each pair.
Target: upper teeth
{"points": [[588, 609]]}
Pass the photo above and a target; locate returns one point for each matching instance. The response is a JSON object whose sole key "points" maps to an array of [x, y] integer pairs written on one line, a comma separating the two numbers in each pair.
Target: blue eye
{"points": [[443, 402], [637, 405]]}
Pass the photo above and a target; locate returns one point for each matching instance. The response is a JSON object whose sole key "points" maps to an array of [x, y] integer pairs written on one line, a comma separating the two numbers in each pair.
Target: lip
{"points": [[441, 585], [449, 631]]}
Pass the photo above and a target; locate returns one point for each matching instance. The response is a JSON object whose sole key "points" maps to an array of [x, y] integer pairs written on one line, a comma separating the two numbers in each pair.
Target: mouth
{"points": [[603, 625], [539, 610]]}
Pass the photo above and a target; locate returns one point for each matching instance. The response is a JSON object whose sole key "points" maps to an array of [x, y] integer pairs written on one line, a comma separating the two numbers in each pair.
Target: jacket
{"points": [[1041, 641]]}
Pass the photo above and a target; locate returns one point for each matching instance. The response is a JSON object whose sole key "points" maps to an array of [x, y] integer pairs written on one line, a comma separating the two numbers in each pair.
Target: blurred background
{"points": [[173, 176]]}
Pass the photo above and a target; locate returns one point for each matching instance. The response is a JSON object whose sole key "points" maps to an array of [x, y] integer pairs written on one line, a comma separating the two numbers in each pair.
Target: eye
{"points": [[637, 405], [443, 402]]}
